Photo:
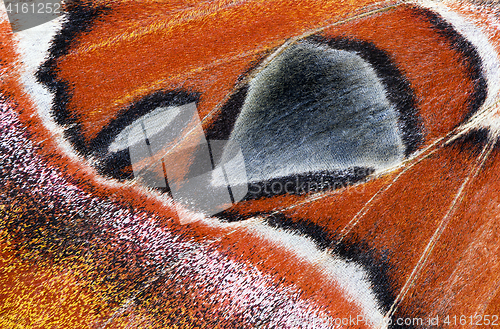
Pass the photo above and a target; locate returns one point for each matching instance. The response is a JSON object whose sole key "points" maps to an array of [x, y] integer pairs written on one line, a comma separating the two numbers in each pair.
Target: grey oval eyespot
{"points": [[315, 109]]}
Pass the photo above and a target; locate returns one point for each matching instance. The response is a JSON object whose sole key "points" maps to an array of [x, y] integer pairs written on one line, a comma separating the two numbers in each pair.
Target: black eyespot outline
{"points": [[469, 55], [116, 164], [100, 144], [399, 93]]}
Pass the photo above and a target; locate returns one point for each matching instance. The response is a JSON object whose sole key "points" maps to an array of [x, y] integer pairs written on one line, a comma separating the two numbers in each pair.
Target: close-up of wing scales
{"points": [[249, 164]]}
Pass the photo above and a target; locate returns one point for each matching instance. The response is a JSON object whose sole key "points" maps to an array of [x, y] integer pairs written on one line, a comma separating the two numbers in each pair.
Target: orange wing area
{"points": [[204, 49]]}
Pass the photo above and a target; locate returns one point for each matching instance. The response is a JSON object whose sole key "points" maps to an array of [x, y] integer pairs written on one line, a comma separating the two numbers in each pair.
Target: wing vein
{"points": [[479, 163]]}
